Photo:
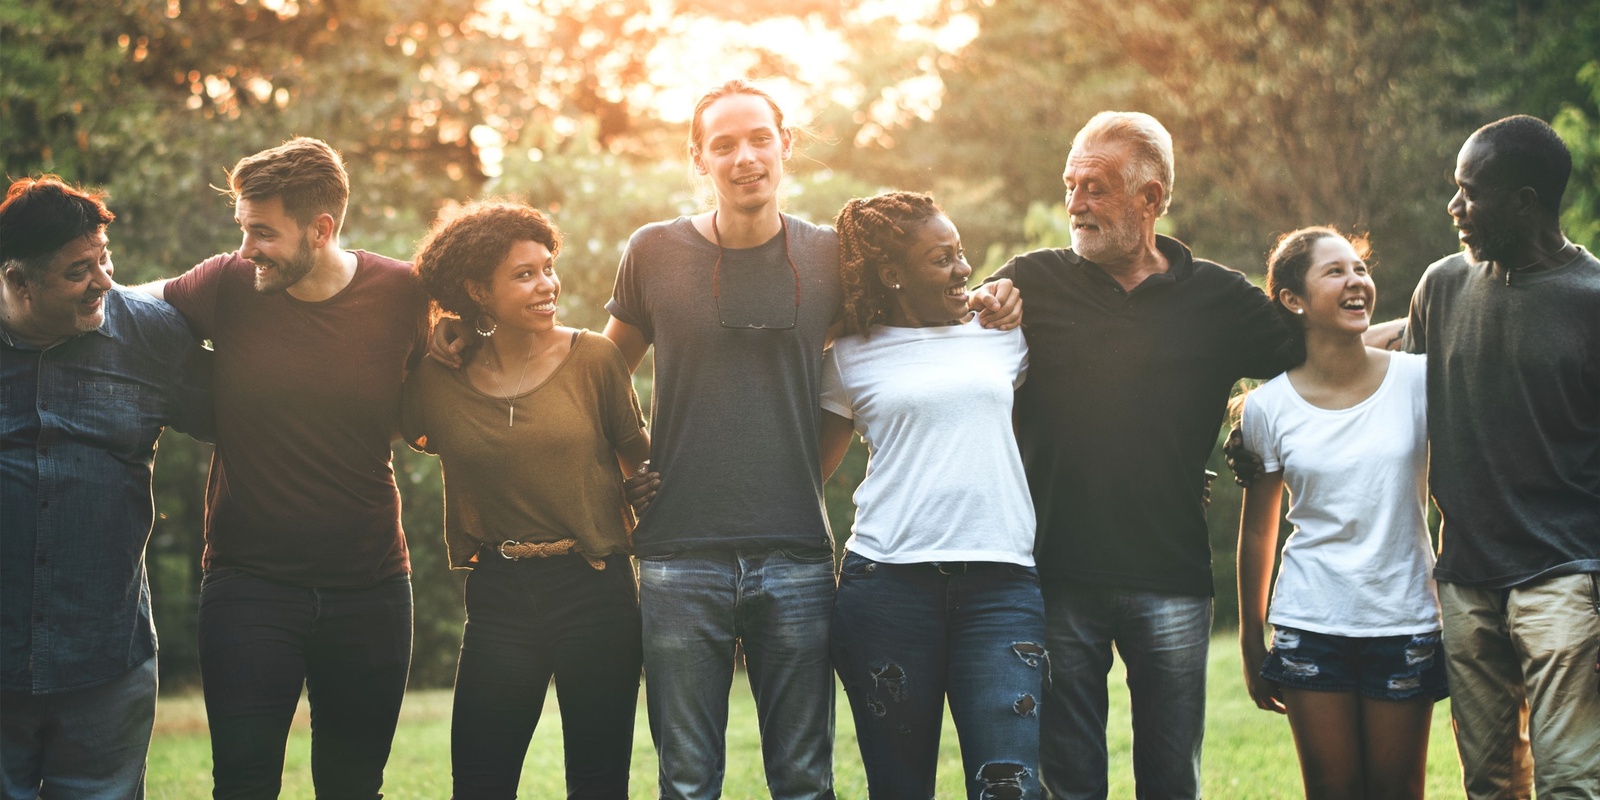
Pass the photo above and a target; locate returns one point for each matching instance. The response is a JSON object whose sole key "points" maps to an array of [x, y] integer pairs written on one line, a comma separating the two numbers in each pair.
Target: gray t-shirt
{"points": [[1513, 417], [734, 413]]}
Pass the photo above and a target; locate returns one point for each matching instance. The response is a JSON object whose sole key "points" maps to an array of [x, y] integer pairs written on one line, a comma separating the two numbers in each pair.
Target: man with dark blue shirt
{"points": [[90, 374]]}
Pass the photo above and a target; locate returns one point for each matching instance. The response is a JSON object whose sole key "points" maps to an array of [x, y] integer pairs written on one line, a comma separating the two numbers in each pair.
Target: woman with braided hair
{"points": [[938, 597]]}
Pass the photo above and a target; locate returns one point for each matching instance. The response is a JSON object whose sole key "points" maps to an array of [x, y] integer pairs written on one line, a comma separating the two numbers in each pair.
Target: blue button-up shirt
{"points": [[78, 428]]}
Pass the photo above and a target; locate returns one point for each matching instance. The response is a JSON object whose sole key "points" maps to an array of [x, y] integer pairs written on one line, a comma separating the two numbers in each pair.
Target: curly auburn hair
{"points": [[874, 232], [1287, 266], [469, 243]]}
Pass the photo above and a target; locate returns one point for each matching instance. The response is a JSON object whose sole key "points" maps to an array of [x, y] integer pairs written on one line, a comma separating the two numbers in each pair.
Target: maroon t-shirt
{"points": [[307, 402]]}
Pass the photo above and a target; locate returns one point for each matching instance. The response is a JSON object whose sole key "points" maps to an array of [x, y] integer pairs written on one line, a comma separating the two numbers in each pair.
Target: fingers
{"points": [[640, 488], [1000, 307]]}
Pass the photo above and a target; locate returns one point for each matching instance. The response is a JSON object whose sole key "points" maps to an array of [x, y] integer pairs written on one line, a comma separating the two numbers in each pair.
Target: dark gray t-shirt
{"points": [[734, 412], [1513, 417]]}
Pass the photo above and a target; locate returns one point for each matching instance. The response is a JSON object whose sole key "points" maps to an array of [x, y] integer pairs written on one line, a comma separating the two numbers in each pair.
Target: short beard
{"points": [[287, 274], [1114, 243]]}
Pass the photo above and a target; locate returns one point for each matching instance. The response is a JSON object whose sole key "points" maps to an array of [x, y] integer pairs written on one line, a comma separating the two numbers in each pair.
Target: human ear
{"points": [[322, 229], [788, 143], [16, 278], [888, 277], [699, 163], [1288, 300], [477, 290]]}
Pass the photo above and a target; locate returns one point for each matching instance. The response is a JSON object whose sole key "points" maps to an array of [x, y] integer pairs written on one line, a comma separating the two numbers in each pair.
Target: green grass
{"points": [[1248, 752]]}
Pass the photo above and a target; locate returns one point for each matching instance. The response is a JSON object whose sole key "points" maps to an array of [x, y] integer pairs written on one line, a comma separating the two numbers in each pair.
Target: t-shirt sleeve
{"points": [[1007, 271], [194, 294], [1416, 335], [1259, 438], [834, 397], [194, 411], [1260, 335], [627, 302], [623, 418], [413, 411], [1021, 343]]}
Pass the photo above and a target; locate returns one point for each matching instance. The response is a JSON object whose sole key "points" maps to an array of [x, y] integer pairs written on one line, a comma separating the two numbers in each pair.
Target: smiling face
{"points": [[932, 276], [521, 293], [278, 246], [1482, 206], [69, 298], [1339, 292], [1107, 227], [742, 150]]}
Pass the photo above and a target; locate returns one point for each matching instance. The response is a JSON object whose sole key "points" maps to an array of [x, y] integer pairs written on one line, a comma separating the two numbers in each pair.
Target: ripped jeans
{"points": [[906, 636]]}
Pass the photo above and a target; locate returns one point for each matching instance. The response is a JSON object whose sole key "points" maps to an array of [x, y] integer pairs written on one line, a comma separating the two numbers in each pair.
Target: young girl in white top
{"points": [[1355, 659], [938, 597]]}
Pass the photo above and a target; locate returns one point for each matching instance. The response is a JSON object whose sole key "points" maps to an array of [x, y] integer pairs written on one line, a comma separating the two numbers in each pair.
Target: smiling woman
{"points": [[533, 505], [938, 596]]}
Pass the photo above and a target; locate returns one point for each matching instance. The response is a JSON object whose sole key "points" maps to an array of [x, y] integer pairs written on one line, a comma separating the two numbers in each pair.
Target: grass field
{"points": [[1248, 752]]}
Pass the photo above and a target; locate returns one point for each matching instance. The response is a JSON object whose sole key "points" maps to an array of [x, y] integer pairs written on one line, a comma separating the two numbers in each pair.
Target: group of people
{"points": [[1034, 498]]}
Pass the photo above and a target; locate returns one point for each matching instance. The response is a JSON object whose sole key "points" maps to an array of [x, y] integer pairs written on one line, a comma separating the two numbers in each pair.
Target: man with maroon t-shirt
{"points": [[307, 580]]}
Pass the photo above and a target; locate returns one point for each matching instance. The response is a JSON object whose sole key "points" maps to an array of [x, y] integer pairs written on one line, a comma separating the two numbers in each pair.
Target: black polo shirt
{"points": [[1126, 392]]}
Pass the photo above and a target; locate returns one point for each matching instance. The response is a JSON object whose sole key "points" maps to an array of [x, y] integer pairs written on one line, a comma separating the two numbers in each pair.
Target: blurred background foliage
{"points": [[1284, 113]]}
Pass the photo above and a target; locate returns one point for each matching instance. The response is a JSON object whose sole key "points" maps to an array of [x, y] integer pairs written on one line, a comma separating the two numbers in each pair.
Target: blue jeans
{"points": [[529, 621], [697, 606], [261, 641], [85, 743], [1164, 640], [905, 636]]}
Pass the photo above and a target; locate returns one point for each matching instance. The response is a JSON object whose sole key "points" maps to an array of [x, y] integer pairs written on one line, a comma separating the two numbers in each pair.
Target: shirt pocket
{"points": [[111, 412]]}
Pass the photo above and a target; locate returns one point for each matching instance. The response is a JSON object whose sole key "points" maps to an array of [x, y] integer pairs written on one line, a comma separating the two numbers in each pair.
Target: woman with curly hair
{"points": [[1355, 659], [532, 435], [938, 597]]}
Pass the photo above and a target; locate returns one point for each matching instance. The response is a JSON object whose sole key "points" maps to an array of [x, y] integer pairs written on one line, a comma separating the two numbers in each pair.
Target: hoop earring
{"points": [[477, 324]]}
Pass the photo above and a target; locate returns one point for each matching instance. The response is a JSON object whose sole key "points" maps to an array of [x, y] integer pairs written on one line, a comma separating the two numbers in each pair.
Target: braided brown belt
{"points": [[516, 551]]}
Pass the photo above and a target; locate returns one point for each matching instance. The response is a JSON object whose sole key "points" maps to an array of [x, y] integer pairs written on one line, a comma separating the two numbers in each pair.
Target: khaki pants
{"points": [[1524, 696]]}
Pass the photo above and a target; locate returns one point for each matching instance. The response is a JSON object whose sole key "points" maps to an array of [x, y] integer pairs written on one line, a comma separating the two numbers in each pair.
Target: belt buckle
{"points": [[951, 567], [502, 549]]}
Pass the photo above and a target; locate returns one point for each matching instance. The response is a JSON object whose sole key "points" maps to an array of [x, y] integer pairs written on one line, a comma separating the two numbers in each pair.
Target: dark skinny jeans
{"points": [[529, 621], [262, 641]]}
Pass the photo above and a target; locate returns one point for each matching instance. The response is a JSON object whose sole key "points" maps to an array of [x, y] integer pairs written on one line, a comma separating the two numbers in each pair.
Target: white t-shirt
{"points": [[1359, 561], [944, 479]]}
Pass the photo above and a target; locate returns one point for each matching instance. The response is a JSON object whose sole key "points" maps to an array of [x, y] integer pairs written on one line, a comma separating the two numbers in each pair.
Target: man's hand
{"points": [[1246, 466], [999, 304], [640, 488], [450, 337]]}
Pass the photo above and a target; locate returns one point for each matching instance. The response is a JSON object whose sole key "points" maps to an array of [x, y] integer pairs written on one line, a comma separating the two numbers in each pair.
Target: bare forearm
{"points": [[1389, 335]]}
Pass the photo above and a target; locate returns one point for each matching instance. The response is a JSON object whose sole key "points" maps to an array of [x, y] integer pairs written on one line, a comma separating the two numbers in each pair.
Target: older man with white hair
{"points": [[1135, 346]]}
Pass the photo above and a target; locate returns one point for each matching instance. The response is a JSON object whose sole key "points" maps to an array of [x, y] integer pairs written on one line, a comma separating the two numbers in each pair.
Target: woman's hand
{"points": [[449, 338], [1268, 695]]}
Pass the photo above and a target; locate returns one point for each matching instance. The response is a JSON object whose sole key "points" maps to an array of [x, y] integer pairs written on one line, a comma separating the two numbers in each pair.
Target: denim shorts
{"points": [[1405, 667]]}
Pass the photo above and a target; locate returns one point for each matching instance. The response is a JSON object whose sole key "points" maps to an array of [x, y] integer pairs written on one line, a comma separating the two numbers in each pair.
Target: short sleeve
{"points": [[1416, 334], [1259, 437], [413, 410], [1022, 359], [623, 418], [627, 302], [1260, 335], [194, 294], [194, 410], [1008, 271], [834, 396]]}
